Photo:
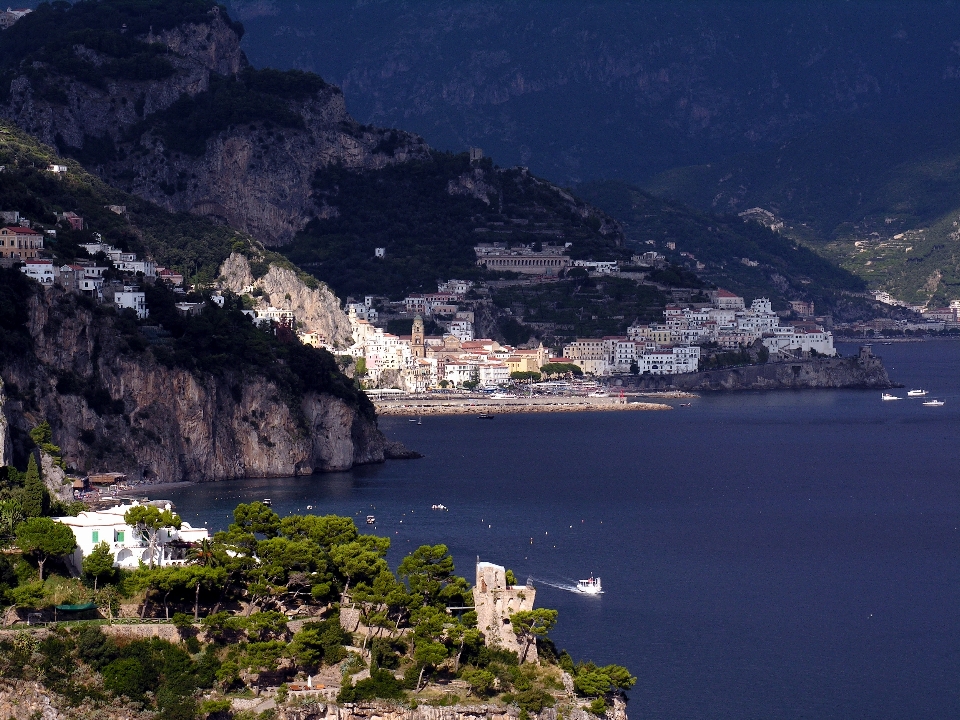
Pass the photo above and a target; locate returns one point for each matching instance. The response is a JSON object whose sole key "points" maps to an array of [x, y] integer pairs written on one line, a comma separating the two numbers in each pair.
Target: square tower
{"points": [[496, 602]]}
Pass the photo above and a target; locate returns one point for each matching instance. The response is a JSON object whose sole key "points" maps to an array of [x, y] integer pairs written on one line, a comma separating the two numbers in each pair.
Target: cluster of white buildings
{"points": [[443, 306], [673, 346], [20, 243]]}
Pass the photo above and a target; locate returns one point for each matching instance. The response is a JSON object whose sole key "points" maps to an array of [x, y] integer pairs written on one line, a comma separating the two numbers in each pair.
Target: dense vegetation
{"points": [[231, 604], [583, 307], [44, 41], [784, 270], [428, 232]]}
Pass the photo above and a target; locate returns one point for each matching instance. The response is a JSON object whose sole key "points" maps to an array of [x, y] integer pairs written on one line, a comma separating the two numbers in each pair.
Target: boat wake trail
{"points": [[569, 585]]}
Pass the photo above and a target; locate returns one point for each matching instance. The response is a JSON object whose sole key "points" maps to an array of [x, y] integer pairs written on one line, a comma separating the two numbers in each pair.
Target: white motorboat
{"points": [[916, 393], [590, 587], [934, 403], [371, 519], [888, 396]]}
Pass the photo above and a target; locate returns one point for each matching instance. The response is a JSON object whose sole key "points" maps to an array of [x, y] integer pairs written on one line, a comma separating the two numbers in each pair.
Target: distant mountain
{"points": [[881, 199], [160, 101], [741, 256], [598, 90]]}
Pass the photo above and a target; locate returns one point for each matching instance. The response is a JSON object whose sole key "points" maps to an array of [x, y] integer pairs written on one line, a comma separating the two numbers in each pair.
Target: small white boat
{"points": [[934, 403], [598, 393], [888, 396], [371, 519], [590, 587], [439, 506], [916, 393], [268, 502]]}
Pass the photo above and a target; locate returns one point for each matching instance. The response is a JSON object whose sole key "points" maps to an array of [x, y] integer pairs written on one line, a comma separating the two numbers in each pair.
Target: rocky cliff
{"points": [[386, 711], [251, 174], [23, 700], [317, 308], [114, 407], [861, 372]]}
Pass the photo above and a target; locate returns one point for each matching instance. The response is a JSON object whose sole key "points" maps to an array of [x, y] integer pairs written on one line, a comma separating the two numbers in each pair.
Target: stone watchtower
{"points": [[495, 602], [417, 343]]}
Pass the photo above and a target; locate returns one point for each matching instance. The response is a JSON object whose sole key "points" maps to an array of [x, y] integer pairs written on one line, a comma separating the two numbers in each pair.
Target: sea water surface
{"points": [[764, 555]]}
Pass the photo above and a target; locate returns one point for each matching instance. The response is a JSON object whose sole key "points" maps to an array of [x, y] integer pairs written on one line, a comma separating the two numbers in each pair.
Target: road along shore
{"points": [[479, 406]]}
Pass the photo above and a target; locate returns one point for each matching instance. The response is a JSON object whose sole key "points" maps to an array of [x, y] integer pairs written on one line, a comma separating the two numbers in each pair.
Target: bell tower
{"points": [[417, 343]]}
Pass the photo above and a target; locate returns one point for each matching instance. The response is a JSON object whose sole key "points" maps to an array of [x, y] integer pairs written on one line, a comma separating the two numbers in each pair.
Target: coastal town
{"points": [[452, 357]]}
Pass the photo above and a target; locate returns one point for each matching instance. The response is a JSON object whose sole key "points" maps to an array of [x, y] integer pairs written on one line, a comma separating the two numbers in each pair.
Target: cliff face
{"points": [[386, 711], [6, 446], [852, 373], [22, 700], [252, 175], [318, 309], [121, 410]]}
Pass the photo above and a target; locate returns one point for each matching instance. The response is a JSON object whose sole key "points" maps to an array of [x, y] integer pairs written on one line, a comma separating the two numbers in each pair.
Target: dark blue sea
{"points": [[764, 555]]}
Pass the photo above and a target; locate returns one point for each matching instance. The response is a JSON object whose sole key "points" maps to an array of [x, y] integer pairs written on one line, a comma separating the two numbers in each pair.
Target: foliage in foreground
{"points": [[247, 580]]}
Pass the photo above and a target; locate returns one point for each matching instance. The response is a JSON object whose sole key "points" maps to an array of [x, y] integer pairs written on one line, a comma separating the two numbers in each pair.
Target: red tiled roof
{"points": [[21, 230]]}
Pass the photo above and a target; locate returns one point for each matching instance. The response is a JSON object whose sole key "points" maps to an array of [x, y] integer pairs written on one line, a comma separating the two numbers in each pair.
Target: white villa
{"points": [[129, 548]]}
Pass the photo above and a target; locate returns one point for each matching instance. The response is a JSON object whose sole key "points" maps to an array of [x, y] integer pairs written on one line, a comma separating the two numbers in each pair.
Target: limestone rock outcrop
{"points": [[318, 309], [111, 408], [254, 176], [386, 711]]}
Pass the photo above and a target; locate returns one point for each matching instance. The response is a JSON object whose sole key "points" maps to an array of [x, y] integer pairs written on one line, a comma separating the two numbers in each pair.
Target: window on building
{"points": [[96, 536], [118, 536]]}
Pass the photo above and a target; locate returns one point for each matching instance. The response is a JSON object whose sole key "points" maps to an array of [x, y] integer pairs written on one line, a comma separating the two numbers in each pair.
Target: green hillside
{"points": [[777, 267], [192, 245]]}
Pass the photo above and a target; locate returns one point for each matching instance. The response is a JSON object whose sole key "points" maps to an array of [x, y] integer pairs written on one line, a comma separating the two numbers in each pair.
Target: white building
{"points": [[462, 329], [132, 298], [40, 270], [455, 287], [493, 373], [597, 266], [129, 547], [786, 339]]}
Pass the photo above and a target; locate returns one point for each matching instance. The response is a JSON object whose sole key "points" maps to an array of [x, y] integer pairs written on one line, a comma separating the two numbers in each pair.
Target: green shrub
{"points": [[380, 684]]}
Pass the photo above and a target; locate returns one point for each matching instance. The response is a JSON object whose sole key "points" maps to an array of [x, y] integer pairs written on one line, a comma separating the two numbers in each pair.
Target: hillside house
{"points": [[20, 243]]}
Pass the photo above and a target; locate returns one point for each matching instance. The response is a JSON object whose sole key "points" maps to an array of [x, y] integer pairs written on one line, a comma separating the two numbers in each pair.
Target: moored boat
{"points": [[371, 519], [934, 403], [888, 396], [916, 393]]}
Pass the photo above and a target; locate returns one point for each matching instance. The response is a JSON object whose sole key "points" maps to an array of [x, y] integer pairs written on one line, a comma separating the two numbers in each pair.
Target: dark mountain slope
{"points": [[580, 91], [171, 111], [744, 257]]}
